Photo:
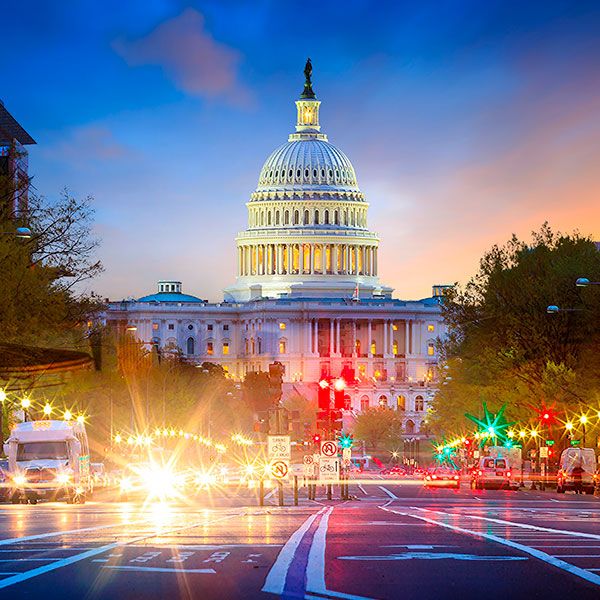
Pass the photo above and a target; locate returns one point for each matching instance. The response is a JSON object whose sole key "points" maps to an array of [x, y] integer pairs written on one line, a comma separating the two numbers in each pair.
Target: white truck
{"points": [[577, 470], [49, 459]]}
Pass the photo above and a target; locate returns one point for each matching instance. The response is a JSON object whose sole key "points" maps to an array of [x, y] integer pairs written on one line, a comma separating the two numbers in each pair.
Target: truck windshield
{"points": [[41, 450]]}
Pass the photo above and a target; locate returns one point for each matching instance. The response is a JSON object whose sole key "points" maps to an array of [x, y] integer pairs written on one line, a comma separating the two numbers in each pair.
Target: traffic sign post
{"points": [[280, 447], [280, 469], [329, 449], [329, 469]]}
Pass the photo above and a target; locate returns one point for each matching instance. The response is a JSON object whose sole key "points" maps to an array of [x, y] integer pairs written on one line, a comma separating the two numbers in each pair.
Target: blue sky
{"points": [[465, 122]]}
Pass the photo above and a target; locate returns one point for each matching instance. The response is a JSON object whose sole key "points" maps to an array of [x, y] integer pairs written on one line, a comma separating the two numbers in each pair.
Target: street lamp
{"points": [[25, 404], [583, 420], [553, 309], [23, 233], [584, 282]]}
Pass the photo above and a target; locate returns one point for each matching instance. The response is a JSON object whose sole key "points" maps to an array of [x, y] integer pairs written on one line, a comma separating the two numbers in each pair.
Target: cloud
{"points": [[89, 143], [188, 54]]}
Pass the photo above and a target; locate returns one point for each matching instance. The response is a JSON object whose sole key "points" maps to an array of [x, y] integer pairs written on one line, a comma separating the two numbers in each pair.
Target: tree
{"points": [[40, 301], [379, 428], [255, 391], [502, 346]]}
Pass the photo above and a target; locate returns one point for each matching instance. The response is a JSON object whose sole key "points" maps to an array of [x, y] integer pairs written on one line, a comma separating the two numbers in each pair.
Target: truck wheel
{"points": [[560, 489], [33, 500]]}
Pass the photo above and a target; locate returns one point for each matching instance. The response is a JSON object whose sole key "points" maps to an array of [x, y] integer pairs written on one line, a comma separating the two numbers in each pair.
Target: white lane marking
{"points": [[577, 555], [432, 556], [63, 562], [390, 494], [275, 580], [159, 569], [269, 495], [556, 562], [569, 532], [41, 536], [569, 546], [315, 569], [9, 572], [5, 560], [362, 489], [55, 549]]}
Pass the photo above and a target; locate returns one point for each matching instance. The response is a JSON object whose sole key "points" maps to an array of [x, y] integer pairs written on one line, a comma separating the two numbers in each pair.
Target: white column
{"points": [[331, 338], [337, 337], [384, 350], [316, 336], [375, 262], [309, 340], [312, 259], [391, 349], [353, 337], [334, 256], [369, 334]]}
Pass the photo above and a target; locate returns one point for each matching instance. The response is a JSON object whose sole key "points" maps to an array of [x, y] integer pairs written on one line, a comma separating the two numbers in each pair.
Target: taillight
{"points": [[434, 477], [428, 478], [480, 472], [456, 477], [508, 473]]}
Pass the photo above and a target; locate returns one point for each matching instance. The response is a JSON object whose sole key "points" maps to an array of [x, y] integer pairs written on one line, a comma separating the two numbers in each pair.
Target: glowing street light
{"points": [[47, 410], [568, 426], [25, 403], [583, 419], [2, 396], [68, 416]]}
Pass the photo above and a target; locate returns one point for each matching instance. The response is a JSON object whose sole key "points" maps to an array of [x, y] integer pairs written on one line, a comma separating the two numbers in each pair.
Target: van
{"points": [[493, 472], [49, 459], [571, 461]]}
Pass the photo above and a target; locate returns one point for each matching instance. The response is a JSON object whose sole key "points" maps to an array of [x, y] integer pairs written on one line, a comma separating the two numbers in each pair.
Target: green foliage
{"points": [[255, 391], [379, 428], [39, 301], [502, 345]]}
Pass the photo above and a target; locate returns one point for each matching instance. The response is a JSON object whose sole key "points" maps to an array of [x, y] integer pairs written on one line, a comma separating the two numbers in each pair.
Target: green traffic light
{"points": [[346, 441]]}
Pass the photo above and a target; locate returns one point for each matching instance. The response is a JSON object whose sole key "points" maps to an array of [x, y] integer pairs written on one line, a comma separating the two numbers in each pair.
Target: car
{"points": [[493, 472], [442, 477]]}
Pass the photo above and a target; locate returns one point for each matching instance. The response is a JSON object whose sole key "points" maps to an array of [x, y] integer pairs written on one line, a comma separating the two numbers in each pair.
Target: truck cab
{"points": [[577, 470], [50, 460]]}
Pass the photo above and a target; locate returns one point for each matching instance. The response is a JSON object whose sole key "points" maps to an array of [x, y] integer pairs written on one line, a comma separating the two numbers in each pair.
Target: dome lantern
{"points": [[308, 105]]}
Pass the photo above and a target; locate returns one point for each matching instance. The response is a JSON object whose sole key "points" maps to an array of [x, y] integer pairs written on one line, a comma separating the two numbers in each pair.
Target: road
{"points": [[394, 540]]}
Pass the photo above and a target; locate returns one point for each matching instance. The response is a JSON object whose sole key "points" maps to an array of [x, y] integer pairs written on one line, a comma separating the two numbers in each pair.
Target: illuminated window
{"points": [[430, 350], [282, 326], [383, 401], [209, 348], [362, 369], [155, 326], [282, 346], [430, 327], [395, 327], [419, 404], [225, 348], [395, 348], [373, 348], [401, 403]]}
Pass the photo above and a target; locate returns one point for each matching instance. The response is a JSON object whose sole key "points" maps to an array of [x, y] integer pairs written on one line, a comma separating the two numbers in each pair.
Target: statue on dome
{"points": [[308, 91]]}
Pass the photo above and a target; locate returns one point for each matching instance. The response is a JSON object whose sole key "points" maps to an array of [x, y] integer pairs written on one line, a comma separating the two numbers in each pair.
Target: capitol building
{"points": [[307, 291]]}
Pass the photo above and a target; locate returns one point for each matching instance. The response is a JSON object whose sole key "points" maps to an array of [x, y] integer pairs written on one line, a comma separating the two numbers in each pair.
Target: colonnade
{"points": [[307, 259]]}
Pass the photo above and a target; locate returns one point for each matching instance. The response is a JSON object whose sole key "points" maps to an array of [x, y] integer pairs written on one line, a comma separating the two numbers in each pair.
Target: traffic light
{"points": [[339, 386], [346, 440], [324, 397], [316, 439], [276, 371]]}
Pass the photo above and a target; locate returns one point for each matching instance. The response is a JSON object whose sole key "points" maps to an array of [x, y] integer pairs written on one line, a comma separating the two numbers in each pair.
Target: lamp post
{"points": [[583, 420], [23, 233], [2, 402]]}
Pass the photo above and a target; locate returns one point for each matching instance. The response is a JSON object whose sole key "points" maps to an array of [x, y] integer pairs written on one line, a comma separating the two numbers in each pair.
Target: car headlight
{"points": [[126, 484], [20, 479], [63, 478]]}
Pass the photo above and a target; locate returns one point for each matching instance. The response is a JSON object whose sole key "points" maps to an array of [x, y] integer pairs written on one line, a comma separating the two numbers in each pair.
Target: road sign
{"points": [[308, 459], [346, 456], [575, 442], [543, 451], [549, 442], [329, 449], [475, 453], [280, 469], [280, 447], [328, 469]]}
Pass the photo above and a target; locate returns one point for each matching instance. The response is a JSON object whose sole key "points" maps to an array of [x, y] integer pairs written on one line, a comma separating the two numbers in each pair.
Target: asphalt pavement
{"points": [[393, 539]]}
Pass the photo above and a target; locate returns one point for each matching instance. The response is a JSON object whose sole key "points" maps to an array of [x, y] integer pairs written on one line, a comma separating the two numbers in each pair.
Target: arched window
{"points": [[190, 346], [409, 427], [336, 218], [296, 217], [306, 217], [262, 218], [364, 403], [316, 217], [269, 218], [286, 217], [395, 348], [277, 217], [419, 404], [383, 401], [326, 217], [401, 403]]}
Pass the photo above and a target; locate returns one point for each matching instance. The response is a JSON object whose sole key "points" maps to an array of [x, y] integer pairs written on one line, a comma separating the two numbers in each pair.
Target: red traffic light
{"points": [[316, 438], [546, 416]]}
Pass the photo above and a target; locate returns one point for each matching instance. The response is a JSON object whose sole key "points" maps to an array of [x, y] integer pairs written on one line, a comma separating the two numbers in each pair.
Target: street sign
{"points": [[543, 451], [575, 442], [308, 459], [346, 456], [328, 469], [329, 449], [549, 442], [475, 453], [280, 469], [280, 447]]}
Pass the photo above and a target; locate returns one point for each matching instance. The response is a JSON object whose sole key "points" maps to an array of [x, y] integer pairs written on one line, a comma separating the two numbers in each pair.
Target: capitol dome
{"points": [[307, 232]]}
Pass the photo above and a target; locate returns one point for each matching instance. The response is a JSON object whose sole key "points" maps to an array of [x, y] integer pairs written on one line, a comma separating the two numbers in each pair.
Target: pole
{"points": [[261, 493], [295, 490], [328, 491], [280, 486]]}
